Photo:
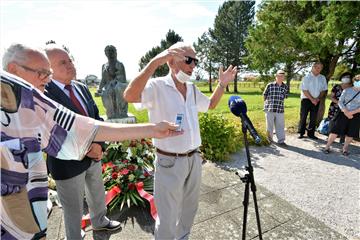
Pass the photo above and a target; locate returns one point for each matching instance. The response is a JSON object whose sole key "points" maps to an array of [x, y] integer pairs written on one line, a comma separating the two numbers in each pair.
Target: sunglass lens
{"points": [[189, 60]]}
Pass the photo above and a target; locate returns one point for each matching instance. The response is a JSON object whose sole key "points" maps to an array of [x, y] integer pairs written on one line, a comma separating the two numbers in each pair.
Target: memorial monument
{"points": [[112, 86]]}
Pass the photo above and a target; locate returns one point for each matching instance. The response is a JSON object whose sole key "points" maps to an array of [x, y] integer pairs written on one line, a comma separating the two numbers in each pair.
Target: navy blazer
{"points": [[65, 169]]}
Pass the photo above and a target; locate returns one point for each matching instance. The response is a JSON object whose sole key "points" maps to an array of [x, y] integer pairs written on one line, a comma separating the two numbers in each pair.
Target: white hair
{"points": [[18, 53], [182, 45]]}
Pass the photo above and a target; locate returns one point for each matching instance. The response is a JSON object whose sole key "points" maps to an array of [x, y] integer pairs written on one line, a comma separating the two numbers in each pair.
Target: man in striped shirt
{"points": [[274, 96]]}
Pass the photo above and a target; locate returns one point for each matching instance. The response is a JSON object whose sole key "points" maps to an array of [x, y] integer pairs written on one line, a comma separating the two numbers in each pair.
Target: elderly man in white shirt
{"points": [[313, 88], [178, 162]]}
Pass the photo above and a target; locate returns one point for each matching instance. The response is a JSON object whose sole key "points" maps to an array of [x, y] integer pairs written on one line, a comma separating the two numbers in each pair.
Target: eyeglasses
{"points": [[189, 60], [42, 74]]}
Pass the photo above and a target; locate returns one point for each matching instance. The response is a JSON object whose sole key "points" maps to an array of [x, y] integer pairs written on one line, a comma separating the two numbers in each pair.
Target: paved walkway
{"points": [[302, 194]]}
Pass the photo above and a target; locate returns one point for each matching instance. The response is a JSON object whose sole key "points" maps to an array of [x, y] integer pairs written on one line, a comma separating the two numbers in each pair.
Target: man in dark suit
{"points": [[73, 178]]}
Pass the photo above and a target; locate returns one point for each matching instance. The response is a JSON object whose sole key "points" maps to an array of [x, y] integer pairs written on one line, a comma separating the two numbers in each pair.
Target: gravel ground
{"points": [[326, 186]]}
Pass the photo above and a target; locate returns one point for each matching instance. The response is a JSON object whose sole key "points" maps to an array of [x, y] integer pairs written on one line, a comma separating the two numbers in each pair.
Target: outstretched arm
{"points": [[224, 79], [119, 132], [133, 91]]}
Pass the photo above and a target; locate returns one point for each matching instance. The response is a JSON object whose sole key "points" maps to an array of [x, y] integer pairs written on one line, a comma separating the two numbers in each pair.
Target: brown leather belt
{"points": [[188, 154]]}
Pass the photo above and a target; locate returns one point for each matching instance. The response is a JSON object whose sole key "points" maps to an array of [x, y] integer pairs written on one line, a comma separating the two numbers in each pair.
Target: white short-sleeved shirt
{"points": [[314, 84], [163, 102]]}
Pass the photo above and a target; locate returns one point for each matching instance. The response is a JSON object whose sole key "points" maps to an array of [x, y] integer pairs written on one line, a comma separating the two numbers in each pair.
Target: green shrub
{"points": [[219, 136]]}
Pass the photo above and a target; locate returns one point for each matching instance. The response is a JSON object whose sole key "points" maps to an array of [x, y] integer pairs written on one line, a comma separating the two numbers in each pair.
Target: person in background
{"points": [[336, 91], [274, 96], [313, 88], [348, 121], [178, 162], [32, 123]]}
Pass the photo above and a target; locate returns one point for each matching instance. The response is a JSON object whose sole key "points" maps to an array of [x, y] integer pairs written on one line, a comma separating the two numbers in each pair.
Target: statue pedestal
{"points": [[130, 119]]}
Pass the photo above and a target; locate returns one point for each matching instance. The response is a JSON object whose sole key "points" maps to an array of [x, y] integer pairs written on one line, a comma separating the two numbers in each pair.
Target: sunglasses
{"points": [[42, 74], [189, 60]]}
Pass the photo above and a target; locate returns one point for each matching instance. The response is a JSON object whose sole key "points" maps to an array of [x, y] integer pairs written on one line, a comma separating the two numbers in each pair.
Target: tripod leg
{"points": [[245, 204], [257, 213]]}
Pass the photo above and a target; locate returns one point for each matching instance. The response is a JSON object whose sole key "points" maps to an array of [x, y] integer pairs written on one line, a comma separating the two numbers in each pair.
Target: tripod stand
{"points": [[249, 181]]}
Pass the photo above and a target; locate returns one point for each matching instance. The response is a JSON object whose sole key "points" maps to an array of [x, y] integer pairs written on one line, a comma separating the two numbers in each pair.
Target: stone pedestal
{"points": [[130, 119]]}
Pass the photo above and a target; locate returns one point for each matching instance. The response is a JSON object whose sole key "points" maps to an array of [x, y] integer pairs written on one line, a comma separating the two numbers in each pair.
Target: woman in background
{"points": [[336, 91], [348, 121]]}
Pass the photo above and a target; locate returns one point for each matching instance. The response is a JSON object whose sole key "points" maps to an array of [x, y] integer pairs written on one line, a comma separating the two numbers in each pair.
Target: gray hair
{"points": [[18, 53]]}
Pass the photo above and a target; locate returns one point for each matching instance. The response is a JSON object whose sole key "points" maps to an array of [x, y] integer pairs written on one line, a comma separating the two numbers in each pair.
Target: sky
{"points": [[86, 27]]}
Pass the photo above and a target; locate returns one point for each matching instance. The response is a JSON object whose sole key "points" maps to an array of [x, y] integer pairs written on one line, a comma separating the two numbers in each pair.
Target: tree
{"points": [[170, 39], [205, 52], [293, 34], [230, 31]]}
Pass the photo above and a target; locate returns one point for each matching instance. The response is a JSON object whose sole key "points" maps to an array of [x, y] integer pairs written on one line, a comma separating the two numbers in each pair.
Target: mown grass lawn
{"points": [[252, 94]]}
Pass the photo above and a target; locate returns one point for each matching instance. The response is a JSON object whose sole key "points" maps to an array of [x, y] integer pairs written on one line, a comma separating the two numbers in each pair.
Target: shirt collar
{"points": [[170, 81], [60, 84]]}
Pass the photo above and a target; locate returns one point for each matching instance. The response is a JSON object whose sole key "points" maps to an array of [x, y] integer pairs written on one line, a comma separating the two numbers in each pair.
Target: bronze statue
{"points": [[112, 85]]}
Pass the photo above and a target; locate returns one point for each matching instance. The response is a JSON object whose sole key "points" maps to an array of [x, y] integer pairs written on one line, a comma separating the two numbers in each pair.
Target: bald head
{"points": [[31, 64], [62, 65]]}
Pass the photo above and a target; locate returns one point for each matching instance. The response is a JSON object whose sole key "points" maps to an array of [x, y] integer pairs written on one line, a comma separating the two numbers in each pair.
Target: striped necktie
{"points": [[75, 101]]}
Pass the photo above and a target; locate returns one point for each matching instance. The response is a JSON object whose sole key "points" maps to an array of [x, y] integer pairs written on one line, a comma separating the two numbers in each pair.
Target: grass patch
{"points": [[254, 101]]}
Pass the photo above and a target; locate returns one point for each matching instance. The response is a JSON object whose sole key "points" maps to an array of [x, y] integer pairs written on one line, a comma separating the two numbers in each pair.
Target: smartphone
{"points": [[179, 120]]}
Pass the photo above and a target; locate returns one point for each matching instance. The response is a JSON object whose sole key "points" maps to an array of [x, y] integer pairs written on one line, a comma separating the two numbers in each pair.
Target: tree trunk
{"points": [[328, 71], [235, 84], [210, 79], [290, 71]]}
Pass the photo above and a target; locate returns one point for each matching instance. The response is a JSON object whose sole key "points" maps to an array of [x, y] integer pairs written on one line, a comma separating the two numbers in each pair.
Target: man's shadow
{"points": [[335, 156], [239, 161]]}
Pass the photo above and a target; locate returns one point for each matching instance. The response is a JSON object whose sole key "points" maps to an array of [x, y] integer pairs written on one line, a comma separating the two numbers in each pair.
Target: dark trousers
{"points": [[306, 107]]}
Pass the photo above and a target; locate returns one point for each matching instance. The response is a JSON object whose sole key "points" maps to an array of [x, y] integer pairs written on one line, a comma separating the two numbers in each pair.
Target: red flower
{"points": [[114, 175], [131, 186], [124, 171], [125, 161], [146, 174], [131, 167], [115, 168]]}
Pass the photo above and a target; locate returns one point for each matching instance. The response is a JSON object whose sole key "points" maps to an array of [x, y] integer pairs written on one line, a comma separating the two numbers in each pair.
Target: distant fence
{"points": [[261, 85]]}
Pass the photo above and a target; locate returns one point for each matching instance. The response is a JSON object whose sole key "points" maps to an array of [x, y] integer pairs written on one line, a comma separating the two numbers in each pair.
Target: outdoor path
{"points": [[302, 194], [326, 186]]}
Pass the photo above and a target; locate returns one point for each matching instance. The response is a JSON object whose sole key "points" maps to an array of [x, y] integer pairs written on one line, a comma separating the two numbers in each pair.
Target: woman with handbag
{"points": [[347, 121], [336, 91]]}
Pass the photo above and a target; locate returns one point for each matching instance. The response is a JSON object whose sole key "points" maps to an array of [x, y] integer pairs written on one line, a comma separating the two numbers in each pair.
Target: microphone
{"points": [[238, 107]]}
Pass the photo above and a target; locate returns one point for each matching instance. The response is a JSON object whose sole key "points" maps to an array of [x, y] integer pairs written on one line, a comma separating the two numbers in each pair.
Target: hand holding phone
{"points": [[178, 121]]}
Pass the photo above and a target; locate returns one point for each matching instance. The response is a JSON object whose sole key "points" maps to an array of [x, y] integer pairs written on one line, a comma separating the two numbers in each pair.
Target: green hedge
{"points": [[219, 136]]}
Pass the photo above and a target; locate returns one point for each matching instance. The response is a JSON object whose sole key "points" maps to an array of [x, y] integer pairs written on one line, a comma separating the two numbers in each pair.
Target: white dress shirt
{"points": [[163, 102], [77, 95], [314, 84]]}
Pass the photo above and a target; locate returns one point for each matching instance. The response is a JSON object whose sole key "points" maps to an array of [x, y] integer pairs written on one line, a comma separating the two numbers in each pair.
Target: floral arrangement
{"points": [[127, 169]]}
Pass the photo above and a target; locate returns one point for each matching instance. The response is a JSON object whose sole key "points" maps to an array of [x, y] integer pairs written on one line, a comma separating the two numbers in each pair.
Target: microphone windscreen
{"points": [[237, 105]]}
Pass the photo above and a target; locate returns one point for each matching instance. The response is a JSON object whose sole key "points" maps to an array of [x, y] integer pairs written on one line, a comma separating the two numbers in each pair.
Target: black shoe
{"points": [[301, 136], [283, 144], [313, 137], [111, 226]]}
